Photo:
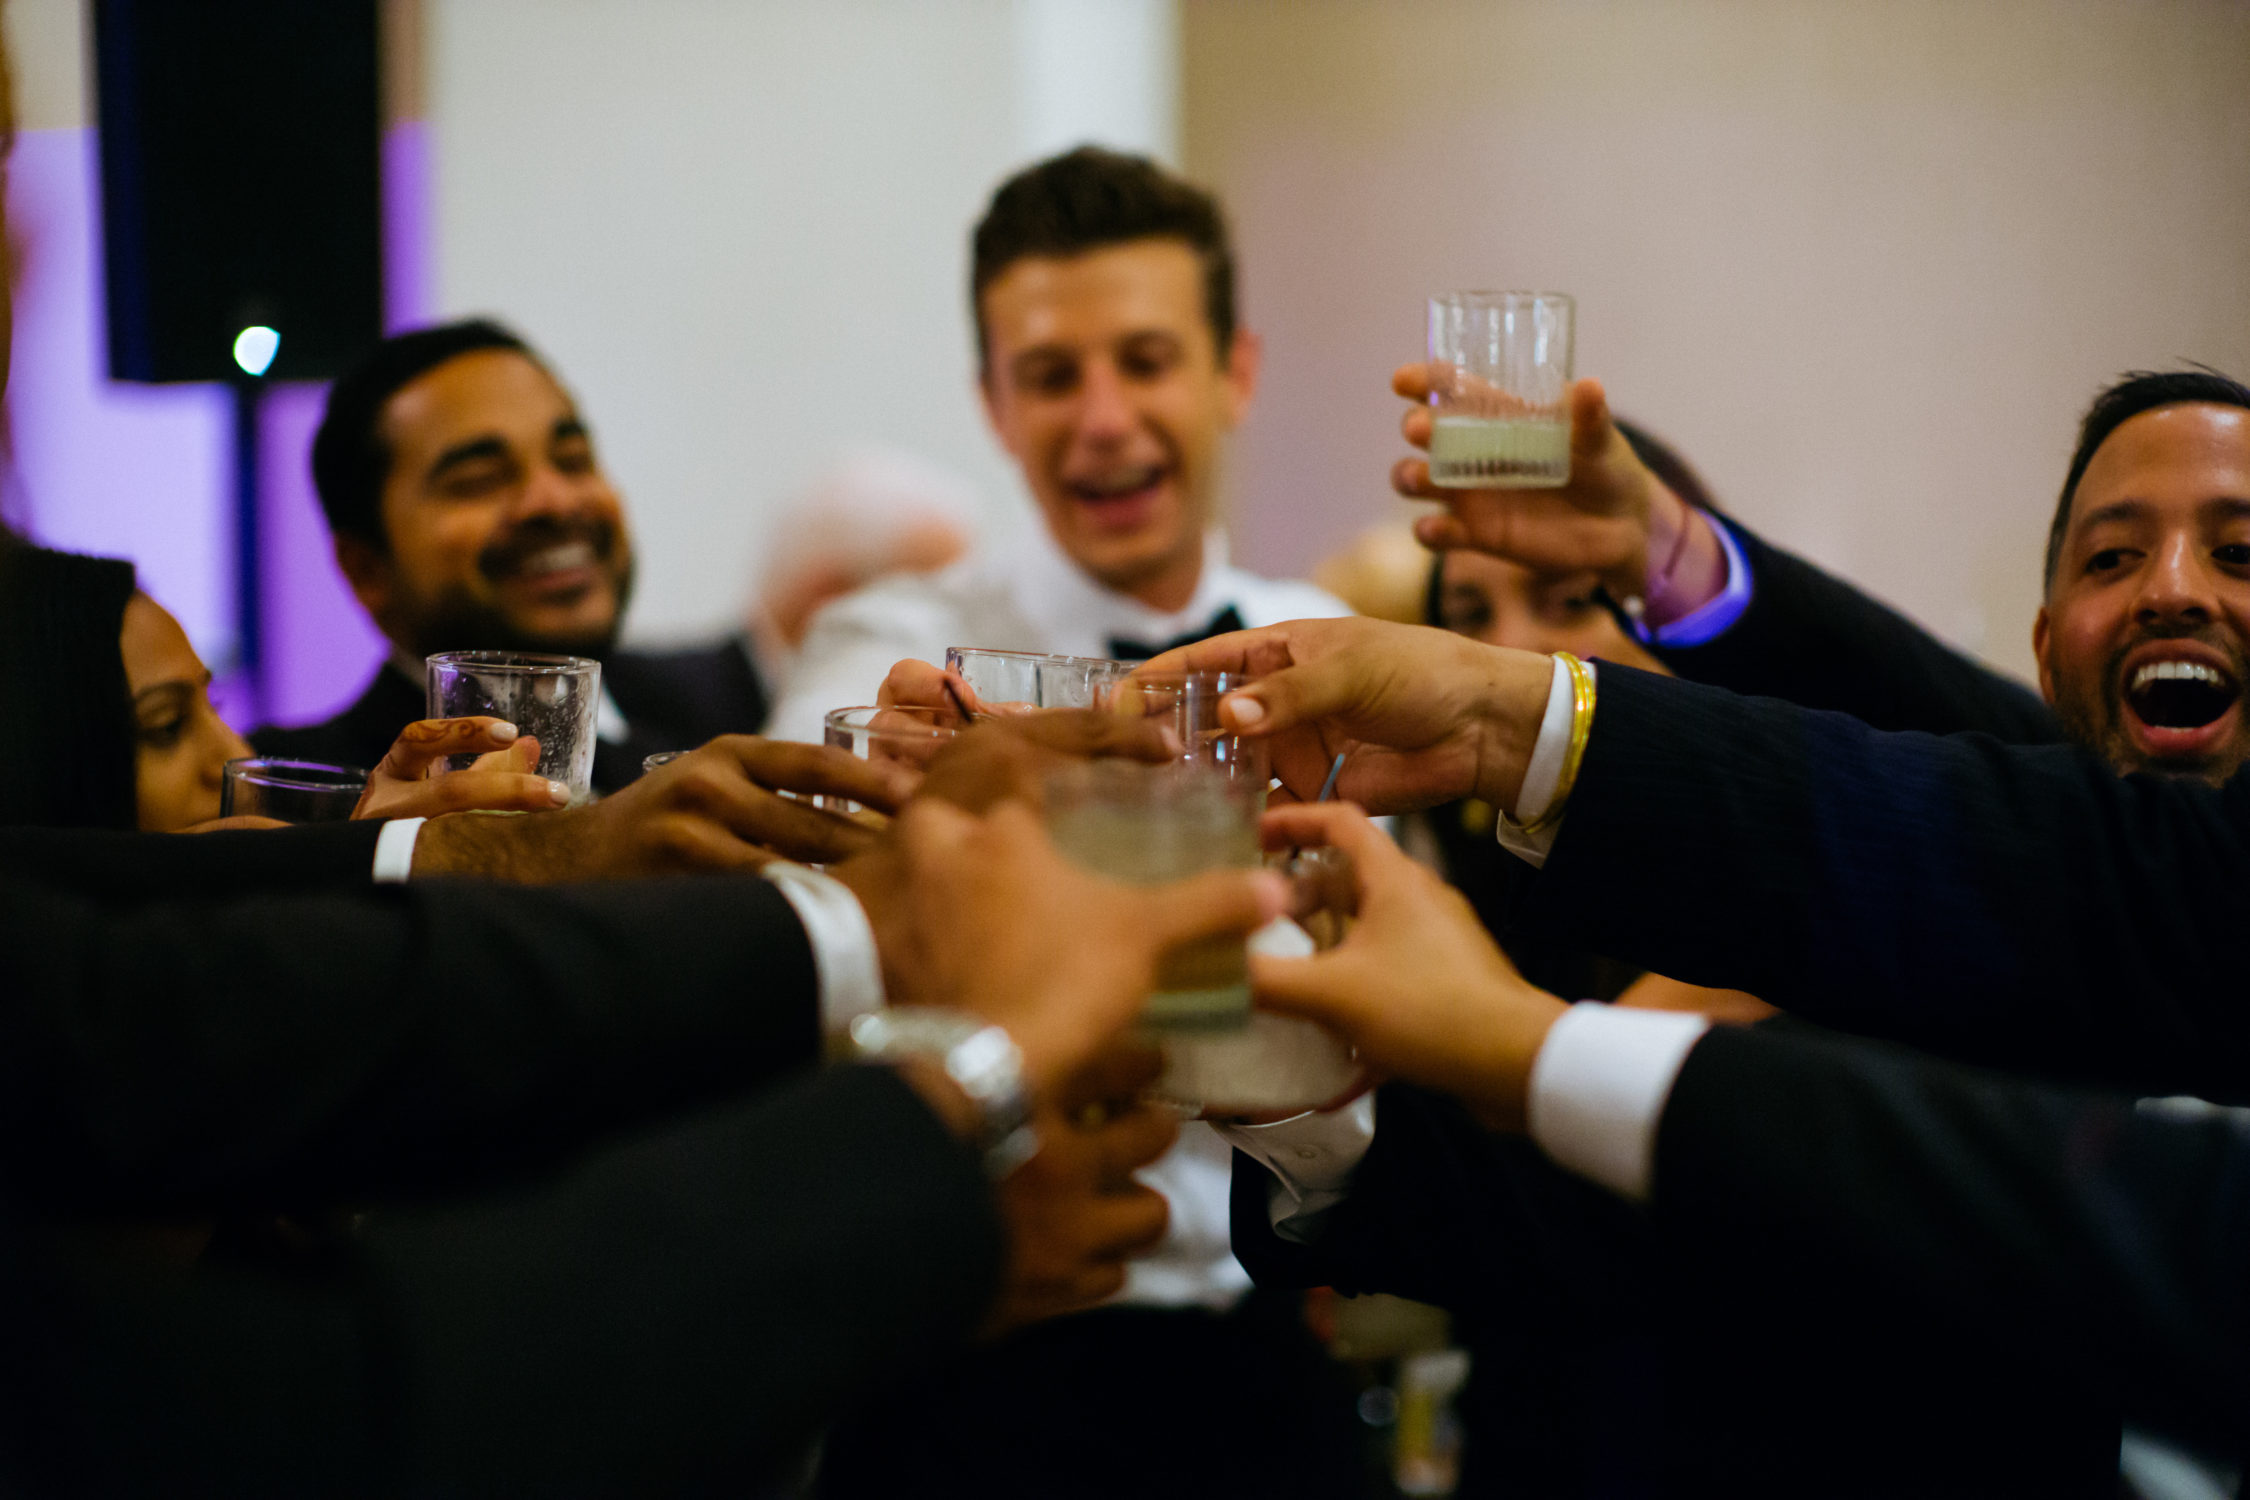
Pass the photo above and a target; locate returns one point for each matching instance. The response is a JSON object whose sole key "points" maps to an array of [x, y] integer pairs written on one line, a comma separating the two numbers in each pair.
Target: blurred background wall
{"points": [[1863, 264]]}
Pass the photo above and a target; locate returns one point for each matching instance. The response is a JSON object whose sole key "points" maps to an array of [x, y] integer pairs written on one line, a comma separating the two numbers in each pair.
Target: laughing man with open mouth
{"points": [[2144, 638]]}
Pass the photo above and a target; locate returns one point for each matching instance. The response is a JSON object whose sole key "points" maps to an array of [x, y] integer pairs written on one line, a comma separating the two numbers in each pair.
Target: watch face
{"points": [[908, 1031]]}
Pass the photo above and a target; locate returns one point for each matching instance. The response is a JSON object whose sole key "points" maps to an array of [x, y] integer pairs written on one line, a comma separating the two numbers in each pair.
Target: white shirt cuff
{"points": [[843, 945], [1598, 1088], [1312, 1157], [1541, 776], [394, 850]]}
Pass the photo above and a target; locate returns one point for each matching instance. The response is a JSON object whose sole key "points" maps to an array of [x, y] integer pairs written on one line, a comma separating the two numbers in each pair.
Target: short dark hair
{"points": [[2136, 391], [350, 460], [1091, 198]]}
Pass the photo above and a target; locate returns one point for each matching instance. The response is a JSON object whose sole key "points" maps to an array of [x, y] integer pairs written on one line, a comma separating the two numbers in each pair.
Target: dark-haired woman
{"points": [[106, 718]]}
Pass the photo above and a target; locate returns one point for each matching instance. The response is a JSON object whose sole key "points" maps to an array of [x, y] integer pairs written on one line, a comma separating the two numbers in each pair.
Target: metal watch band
{"points": [[982, 1060]]}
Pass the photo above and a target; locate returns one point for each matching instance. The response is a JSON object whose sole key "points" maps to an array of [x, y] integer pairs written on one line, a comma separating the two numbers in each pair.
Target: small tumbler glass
{"points": [[553, 698], [910, 737], [1500, 366], [1013, 681], [1186, 706], [1148, 825], [294, 791]]}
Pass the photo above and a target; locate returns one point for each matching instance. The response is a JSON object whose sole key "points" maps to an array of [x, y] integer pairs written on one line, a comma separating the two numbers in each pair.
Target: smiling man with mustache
{"points": [[470, 512]]}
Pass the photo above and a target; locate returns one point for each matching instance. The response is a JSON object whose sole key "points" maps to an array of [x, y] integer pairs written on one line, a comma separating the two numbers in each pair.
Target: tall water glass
{"points": [[1012, 681], [555, 698], [1500, 367], [293, 791]]}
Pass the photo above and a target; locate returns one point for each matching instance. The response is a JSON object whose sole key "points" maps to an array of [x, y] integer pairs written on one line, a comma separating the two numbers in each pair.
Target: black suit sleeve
{"points": [[1816, 640], [145, 866], [674, 1315], [2021, 906], [191, 1054], [2117, 1241], [1613, 1358]]}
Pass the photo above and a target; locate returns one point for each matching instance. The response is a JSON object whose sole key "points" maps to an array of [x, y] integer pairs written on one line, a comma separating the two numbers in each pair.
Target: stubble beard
{"points": [[2093, 715]]}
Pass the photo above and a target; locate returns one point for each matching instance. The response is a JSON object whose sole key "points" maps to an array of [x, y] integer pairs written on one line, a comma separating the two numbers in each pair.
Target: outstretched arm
{"points": [[1786, 628]]}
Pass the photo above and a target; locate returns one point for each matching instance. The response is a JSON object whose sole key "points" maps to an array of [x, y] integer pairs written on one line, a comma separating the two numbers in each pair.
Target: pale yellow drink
{"points": [[1477, 453], [1147, 825]]}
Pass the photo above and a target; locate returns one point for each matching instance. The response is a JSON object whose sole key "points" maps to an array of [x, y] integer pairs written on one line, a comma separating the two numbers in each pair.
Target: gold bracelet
{"points": [[1581, 725]]}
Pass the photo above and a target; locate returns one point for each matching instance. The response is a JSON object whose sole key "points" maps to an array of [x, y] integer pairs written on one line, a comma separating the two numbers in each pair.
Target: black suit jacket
{"points": [[106, 865], [2019, 906], [2112, 1241], [675, 1314], [672, 700], [1819, 642], [165, 1052], [680, 1306], [1613, 1359]]}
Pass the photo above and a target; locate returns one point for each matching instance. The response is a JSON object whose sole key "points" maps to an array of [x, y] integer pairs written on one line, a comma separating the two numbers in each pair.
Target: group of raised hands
{"points": [[973, 908]]}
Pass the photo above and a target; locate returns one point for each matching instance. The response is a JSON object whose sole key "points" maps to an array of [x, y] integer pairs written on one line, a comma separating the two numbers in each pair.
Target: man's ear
{"points": [[1245, 357], [2039, 636], [370, 572]]}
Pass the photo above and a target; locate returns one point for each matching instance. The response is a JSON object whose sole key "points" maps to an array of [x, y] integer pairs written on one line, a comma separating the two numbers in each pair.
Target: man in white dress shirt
{"points": [[1111, 370]]}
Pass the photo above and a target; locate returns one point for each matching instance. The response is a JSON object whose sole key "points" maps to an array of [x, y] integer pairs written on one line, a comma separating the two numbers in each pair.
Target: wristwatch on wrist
{"points": [[981, 1058]]}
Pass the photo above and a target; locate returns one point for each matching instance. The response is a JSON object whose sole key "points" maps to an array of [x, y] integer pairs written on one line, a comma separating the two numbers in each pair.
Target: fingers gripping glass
{"points": [[553, 699], [909, 737]]}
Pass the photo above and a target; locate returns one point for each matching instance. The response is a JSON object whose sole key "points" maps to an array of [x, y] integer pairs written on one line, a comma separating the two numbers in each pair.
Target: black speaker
{"points": [[241, 151]]}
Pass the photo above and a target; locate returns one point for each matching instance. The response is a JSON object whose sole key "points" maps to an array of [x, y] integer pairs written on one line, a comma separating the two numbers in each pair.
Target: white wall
{"points": [[1865, 264], [740, 230]]}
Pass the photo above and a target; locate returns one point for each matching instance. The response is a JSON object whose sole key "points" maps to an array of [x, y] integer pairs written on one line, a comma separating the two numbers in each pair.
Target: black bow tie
{"points": [[1122, 649]]}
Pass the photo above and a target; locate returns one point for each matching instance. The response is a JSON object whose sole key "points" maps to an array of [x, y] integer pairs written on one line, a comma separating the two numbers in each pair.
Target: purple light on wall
{"points": [[409, 280], [100, 466], [320, 647], [145, 472]]}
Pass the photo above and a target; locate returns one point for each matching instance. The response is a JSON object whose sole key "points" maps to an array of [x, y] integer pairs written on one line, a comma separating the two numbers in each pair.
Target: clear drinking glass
{"points": [[1500, 367], [1011, 681], [294, 791], [910, 737], [554, 698], [1186, 706], [1149, 824], [1275, 1063]]}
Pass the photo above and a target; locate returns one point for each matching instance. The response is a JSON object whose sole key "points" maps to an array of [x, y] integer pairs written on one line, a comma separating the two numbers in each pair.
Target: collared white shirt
{"points": [[1018, 594], [1025, 594]]}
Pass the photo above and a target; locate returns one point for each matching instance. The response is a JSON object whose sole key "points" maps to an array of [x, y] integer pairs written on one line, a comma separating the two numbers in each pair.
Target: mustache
{"points": [[507, 554]]}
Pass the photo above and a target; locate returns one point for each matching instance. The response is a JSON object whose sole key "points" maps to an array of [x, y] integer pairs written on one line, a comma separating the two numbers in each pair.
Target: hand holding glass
{"points": [[553, 699], [905, 735]]}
